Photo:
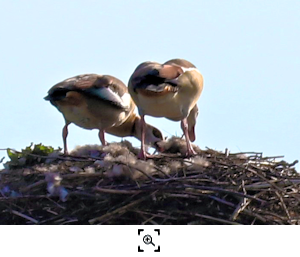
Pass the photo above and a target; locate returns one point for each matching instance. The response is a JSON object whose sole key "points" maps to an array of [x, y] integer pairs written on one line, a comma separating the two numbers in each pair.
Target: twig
{"points": [[36, 184], [148, 220], [116, 191], [224, 191], [265, 185], [118, 210], [66, 157], [263, 178], [25, 197], [283, 205], [217, 219], [25, 216]]}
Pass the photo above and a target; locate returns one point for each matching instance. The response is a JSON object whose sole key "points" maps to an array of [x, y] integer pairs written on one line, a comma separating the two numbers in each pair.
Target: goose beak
{"points": [[157, 147]]}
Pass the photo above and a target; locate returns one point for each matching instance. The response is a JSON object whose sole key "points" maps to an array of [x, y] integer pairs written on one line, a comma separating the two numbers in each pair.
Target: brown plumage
{"points": [[169, 90], [101, 102]]}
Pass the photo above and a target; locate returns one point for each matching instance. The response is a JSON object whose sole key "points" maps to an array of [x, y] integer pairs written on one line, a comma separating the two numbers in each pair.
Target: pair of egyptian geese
{"points": [[103, 102]]}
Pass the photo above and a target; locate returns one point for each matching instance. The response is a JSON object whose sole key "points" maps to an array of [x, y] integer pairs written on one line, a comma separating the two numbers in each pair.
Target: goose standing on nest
{"points": [[169, 90], [101, 102]]}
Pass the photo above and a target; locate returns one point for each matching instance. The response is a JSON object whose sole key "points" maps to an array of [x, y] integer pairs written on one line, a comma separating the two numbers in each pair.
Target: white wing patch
{"points": [[126, 98], [109, 95], [188, 69]]}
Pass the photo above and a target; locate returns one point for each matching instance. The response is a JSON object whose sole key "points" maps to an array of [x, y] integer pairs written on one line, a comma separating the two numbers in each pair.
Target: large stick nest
{"points": [[109, 185]]}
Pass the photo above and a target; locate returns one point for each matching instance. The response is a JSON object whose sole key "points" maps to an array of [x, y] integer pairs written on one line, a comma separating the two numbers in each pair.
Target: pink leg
{"points": [[101, 136], [143, 155], [65, 134], [190, 151]]}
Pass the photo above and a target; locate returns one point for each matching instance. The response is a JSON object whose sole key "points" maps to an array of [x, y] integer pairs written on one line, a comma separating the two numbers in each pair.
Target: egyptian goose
{"points": [[101, 102], [169, 90]]}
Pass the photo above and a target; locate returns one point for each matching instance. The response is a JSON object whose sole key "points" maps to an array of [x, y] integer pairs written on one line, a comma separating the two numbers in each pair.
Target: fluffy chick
{"points": [[176, 145]]}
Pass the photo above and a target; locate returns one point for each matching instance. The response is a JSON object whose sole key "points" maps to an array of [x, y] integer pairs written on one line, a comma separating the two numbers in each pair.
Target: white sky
{"points": [[247, 51]]}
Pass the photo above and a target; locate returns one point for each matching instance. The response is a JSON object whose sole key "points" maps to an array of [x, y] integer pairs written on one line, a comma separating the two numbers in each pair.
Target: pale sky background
{"points": [[247, 51]]}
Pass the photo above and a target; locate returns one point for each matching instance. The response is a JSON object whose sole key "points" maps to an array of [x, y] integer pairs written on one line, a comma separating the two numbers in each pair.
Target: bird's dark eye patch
{"points": [[57, 95]]}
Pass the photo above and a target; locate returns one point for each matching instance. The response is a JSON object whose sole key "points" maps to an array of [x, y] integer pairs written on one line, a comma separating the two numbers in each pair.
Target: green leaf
{"points": [[13, 155], [30, 154]]}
